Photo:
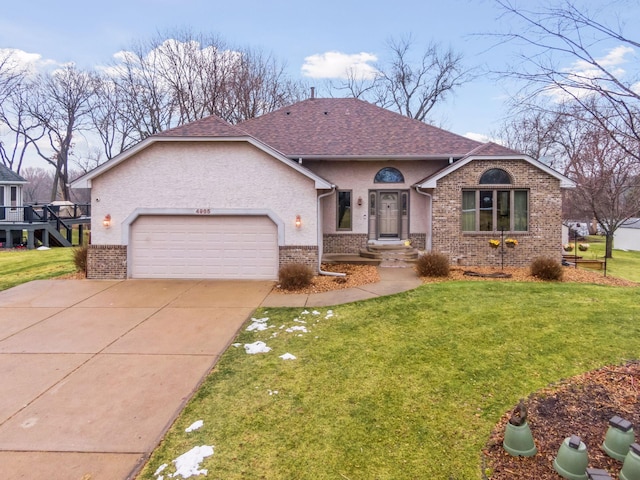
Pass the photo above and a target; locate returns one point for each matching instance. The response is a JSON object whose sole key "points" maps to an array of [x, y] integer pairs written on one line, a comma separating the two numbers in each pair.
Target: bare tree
{"points": [[569, 33], [38, 190], [608, 181], [408, 83], [536, 133], [61, 102]]}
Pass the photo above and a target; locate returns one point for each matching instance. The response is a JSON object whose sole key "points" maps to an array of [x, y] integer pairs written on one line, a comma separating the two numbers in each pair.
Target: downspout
{"points": [[321, 238], [430, 216]]}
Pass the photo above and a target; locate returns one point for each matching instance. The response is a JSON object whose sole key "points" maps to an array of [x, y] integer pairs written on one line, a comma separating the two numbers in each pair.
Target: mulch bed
{"points": [[580, 406]]}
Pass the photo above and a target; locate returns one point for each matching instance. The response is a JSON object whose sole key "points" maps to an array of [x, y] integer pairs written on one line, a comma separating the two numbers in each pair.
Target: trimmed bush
{"points": [[295, 275], [433, 265], [546, 268], [80, 258]]}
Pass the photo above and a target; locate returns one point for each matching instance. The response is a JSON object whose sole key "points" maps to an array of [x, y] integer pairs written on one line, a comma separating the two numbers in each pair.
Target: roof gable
{"points": [[349, 127], [431, 181]]}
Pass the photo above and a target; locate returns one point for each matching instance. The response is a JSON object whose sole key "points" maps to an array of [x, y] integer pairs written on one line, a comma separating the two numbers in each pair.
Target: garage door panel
{"points": [[204, 247]]}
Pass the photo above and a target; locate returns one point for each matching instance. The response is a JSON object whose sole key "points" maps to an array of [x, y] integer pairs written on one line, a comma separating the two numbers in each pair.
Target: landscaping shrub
{"points": [[433, 265], [546, 268], [295, 275], [80, 258]]}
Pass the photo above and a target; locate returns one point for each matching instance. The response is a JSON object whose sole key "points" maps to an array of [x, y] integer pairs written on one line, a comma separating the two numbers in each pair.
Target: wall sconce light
{"points": [[298, 221], [106, 223], [359, 201]]}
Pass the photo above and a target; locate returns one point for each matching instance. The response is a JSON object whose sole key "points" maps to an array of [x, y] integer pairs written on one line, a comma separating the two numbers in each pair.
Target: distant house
{"points": [[213, 200], [11, 185], [627, 236]]}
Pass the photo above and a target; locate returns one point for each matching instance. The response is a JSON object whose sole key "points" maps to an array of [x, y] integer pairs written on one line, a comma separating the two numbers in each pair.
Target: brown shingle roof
{"points": [[491, 148], [344, 127]]}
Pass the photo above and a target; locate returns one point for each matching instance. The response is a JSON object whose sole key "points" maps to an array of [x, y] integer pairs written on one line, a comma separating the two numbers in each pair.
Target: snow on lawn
{"points": [[256, 347], [187, 464], [258, 324], [261, 324], [194, 426]]}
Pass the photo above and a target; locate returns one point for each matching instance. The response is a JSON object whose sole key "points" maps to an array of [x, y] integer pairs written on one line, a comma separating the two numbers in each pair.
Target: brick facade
{"points": [[344, 242], [305, 254], [544, 237], [107, 262], [418, 240]]}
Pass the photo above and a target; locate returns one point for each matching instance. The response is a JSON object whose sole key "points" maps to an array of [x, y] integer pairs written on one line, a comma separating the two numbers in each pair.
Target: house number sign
{"points": [[203, 211]]}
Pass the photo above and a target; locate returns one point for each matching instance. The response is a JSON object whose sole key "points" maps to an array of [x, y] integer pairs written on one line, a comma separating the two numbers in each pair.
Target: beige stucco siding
{"points": [[196, 175], [358, 177]]}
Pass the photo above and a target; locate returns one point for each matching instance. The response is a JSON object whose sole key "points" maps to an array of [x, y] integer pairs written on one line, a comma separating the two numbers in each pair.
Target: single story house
{"points": [[214, 200], [627, 236]]}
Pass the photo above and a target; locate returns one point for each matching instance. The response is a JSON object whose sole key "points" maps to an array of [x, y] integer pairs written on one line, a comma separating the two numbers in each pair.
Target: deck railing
{"points": [[44, 213]]}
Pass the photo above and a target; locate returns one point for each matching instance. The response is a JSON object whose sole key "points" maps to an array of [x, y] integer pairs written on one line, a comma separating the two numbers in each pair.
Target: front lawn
{"points": [[21, 266], [403, 387]]}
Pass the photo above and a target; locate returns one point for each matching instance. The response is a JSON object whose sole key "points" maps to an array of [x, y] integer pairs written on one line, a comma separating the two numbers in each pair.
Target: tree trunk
{"points": [[609, 246]]}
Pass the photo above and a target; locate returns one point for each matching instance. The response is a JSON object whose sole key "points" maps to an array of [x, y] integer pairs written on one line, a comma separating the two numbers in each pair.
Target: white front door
{"points": [[388, 219]]}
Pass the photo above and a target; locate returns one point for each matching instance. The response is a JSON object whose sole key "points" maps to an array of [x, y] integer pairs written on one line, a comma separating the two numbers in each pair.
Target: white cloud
{"points": [[33, 63], [582, 72], [340, 65], [479, 137]]}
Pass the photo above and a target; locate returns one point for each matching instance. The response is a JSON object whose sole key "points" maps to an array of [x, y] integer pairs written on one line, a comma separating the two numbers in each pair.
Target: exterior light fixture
{"points": [[631, 465], [618, 438], [298, 221], [359, 201], [106, 223], [572, 459]]}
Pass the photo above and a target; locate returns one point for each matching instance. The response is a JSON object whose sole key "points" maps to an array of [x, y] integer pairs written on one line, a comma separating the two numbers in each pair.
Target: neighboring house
{"points": [[11, 185], [212, 200], [627, 236]]}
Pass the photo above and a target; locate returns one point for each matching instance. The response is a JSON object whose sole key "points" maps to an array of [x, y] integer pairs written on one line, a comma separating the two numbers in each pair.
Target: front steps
{"points": [[384, 254], [391, 254]]}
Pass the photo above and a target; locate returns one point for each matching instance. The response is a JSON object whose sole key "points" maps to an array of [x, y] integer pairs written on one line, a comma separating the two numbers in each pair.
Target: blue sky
{"points": [[89, 33]]}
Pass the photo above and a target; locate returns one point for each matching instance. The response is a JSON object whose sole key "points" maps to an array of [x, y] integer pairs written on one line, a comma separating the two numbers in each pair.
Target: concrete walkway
{"points": [[93, 373], [392, 280]]}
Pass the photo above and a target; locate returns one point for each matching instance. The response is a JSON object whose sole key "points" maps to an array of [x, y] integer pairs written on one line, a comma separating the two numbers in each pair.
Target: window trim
{"points": [[495, 189], [399, 179], [348, 207]]}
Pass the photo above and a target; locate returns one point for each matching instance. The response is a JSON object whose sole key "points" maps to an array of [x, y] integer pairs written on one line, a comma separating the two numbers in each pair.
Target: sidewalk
{"points": [[392, 280]]}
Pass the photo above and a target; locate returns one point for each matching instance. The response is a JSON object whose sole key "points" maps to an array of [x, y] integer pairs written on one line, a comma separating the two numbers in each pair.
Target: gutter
{"points": [[321, 239], [429, 239]]}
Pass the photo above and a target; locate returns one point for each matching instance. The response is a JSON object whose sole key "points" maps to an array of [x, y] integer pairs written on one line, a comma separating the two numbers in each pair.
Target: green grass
{"points": [[623, 264], [20, 266], [403, 387]]}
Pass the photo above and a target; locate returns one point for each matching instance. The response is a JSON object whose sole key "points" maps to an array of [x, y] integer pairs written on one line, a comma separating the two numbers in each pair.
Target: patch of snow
{"points": [[259, 324], [297, 328], [160, 469], [315, 312], [236, 345], [194, 426], [273, 392], [298, 320], [288, 356], [304, 312], [43, 248], [188, 464], [256, 347]]}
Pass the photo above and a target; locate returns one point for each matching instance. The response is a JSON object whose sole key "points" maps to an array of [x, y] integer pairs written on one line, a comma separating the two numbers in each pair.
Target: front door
{"points": [[388, 218]]}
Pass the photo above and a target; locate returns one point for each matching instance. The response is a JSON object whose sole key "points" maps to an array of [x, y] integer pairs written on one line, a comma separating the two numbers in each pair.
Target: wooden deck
{"points": [[49, 225]]}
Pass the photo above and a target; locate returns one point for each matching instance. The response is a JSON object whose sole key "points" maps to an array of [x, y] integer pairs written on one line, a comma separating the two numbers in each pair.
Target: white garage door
{"points": [[243, 247]]}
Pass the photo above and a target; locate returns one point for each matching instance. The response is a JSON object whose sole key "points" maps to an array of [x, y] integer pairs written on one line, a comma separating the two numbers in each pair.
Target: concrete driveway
{"points": [[94, 372]]}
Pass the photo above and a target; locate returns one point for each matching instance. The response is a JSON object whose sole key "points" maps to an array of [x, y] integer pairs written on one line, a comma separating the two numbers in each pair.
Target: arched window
{"points": [[389, 175], [495, 176]]}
